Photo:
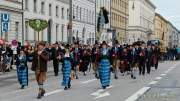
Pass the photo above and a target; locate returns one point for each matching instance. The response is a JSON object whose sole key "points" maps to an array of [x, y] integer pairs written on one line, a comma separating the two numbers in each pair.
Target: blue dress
{"points": [[66, 68], [104, 69], [22, 71]]}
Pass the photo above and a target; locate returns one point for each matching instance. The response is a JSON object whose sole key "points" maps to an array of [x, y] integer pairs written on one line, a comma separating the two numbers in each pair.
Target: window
{"points": [[50, 7], [80, 13], [62, 12], [57, 30], [26, 30], [57, 11], [42, 7], [73, 12], [62, 32], [67, 14], [92, 17], [17, 29], [77, 12], [26, 5], [87, 14], [35, 6]]}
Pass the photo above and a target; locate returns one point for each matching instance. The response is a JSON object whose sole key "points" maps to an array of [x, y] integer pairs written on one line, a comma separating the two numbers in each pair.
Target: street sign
{"points": [[5, 22]]}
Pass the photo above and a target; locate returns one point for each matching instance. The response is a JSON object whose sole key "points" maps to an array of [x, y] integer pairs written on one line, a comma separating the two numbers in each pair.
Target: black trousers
{"points": [[148, 66], [142, 68], [56, 67]]}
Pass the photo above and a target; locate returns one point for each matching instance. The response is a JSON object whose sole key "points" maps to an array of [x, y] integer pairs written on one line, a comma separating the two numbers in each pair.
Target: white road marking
{"points": [[163, 74], [158, 78], [167, 71], [102, 95], [153, 83], [53, 92], [97, 92], [139, 93], [88, 81], [110, 87], [172, 67]]}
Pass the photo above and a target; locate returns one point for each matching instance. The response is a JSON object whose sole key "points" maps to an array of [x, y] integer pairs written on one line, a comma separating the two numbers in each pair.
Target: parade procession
{"points": [[100, 59], [89, 50]]}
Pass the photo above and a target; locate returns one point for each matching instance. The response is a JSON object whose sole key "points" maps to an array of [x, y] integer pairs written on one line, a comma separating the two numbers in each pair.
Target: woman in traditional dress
{"points": [[22, 69], [104, 69], [66, 68]]}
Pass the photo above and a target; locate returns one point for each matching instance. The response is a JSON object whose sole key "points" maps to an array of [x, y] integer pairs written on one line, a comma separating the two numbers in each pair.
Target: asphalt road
{"points": [[162, 83]]}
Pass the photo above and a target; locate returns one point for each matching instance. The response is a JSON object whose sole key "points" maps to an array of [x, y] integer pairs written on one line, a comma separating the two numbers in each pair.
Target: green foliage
{"points": [[38, 24]]}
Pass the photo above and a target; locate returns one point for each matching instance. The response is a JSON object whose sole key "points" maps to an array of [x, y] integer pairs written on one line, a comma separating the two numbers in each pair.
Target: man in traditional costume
{"points": [[39, 65]]}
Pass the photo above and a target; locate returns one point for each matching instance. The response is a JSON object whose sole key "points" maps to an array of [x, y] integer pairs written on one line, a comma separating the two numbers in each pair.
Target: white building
{"points": [[83, 25], [56, 12], [173, 35], [141, 20], [13, 8]]}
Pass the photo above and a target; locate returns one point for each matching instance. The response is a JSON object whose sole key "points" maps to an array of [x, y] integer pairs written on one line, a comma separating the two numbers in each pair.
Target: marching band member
{"points": [[115, 54], [104, 69], [142, 60], [39, 66], [66, 68], [22, 69], [77, 58]]}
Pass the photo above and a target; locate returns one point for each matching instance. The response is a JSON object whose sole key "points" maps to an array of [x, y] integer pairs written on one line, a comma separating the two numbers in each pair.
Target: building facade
{"points": [[13, 8], [83, 24], [173, 35], [119, 18], [161, 30], [55, 12], [141, 20]]}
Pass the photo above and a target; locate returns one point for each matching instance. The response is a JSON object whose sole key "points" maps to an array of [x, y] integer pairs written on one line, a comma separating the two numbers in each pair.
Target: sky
{"points": [[169, 9]]}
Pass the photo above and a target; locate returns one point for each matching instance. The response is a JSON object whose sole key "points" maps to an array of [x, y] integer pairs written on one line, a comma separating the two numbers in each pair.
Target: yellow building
{"points": [[119, 18], [161, 30]]}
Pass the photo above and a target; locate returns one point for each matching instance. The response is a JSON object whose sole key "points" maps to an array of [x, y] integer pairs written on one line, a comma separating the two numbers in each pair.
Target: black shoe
{"points": [[43, 92], [84, 73], [132, 76], [77, 77], [56, 75], [7, 70], [69, 86], [39, 96], [22, 87], [96, 76], [104, 87], [116, 77], [66, 88]]}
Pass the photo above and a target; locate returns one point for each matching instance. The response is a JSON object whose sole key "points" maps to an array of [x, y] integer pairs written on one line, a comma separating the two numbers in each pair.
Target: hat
{"points": [[76, 43], [116, 42], [42, 43], [104, 43], [56, 42], [22, 48], [67, 46]]}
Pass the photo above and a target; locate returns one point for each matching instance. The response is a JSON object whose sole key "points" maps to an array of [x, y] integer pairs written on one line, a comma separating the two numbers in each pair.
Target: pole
{"points": [[22, 22], [38, 36], [70, 21], [1, 27], [95, 22]]}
